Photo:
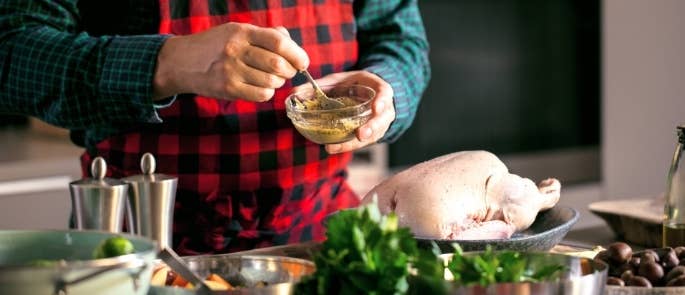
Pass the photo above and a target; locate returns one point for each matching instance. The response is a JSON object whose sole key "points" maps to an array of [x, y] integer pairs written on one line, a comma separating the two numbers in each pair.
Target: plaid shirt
{"points": [[246, 178]]}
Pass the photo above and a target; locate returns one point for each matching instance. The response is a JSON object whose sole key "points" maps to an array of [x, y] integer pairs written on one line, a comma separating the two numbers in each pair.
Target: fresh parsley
{"points": [[367, 253], [490, 267]]}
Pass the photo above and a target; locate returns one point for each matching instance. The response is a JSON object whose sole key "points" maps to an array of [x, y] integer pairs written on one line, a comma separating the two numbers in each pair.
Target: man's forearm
{"points": [[393, 45], [71, 79]]}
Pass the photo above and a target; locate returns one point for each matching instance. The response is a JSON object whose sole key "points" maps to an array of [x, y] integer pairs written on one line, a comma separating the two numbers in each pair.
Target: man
{"points": [[201, 85]]}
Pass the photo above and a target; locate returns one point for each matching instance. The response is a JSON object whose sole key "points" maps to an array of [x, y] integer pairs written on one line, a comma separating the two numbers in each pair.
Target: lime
{"points": [[113, 246]]}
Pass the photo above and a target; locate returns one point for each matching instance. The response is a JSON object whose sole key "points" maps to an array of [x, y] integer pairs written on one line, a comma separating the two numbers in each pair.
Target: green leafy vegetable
{"points": [[367, 253], [491, 267]]}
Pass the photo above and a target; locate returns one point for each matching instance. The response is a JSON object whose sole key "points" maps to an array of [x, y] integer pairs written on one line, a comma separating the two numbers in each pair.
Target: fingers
{"points": [[253, 93], [370, 132], [283, 31], [269, 62], [276, 41], [384, 113], [262, 79]]}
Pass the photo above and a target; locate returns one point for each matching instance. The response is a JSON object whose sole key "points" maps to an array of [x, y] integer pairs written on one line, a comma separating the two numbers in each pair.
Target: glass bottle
{"points": [[674, 208]]}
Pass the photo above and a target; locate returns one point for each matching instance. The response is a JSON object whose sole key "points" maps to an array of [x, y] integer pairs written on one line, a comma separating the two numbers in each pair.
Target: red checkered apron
{"points": [[246, 178]]}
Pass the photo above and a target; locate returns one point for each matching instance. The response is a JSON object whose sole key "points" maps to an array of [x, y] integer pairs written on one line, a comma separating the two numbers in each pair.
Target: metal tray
{"points": [[584, 276], [279, 273]]}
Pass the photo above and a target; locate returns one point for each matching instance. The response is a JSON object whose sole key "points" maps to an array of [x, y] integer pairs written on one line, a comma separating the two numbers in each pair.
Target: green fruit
{"points": [[112, 247]]}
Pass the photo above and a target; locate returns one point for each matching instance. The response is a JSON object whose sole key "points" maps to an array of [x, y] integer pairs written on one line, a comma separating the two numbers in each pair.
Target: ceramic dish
{"points": [[546, 231], [70, 268]]}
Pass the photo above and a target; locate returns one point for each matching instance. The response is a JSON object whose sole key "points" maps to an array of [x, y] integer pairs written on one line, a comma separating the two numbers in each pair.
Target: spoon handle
{"points": [[181, 268], [317, 89]]}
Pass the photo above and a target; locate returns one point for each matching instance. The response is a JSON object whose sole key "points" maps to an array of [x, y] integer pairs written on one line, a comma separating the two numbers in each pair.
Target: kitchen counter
{"points": [[591, 236], [575, 240]]}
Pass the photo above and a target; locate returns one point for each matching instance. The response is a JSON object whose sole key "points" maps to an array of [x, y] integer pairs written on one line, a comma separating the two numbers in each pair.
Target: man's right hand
{"points": [[229, 61]]}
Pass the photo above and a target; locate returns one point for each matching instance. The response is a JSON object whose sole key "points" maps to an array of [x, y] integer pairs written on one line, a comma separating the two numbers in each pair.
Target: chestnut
{"points": [[674, 273], [626, 275], [649, 255], [639, 281], [677, 281], [615, 281], [602, 256], [652, 271], [619, 253], [680, 252]]}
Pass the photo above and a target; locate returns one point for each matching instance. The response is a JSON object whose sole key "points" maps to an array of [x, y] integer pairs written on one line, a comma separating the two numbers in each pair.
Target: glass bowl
{"points": [[332, 125]]}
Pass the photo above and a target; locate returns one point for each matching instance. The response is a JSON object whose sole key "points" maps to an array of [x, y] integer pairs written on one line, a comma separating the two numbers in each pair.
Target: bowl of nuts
{"points": [[326, 123], [649, 271]]}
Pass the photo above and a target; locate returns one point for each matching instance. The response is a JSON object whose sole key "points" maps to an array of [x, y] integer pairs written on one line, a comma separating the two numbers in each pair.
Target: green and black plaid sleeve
{"points": [[393, 45], [68, 78]]}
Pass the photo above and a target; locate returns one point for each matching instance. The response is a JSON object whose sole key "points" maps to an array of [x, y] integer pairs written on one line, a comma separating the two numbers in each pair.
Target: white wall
{"points": [[643, 95]]}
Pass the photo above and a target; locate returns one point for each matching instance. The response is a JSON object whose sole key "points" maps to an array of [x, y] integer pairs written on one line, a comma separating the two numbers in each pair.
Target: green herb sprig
{"points": [[491, 267], [367, 253]]}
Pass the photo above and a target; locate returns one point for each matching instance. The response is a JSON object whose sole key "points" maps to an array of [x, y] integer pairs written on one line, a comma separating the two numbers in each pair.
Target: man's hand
{"points": [[230, 61], [382, 106]]}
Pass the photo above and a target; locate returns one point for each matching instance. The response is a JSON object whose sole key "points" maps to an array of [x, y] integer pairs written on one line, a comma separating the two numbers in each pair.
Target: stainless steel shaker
{"points": [[151, 203], [98, 202]]}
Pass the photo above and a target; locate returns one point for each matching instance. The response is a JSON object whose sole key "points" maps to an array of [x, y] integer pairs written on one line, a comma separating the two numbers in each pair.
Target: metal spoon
{"points": [[181, 268], [326, 102]]}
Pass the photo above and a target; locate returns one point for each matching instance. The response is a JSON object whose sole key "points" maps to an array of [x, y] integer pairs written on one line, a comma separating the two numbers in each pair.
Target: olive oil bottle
{"points": [[674, 208]]}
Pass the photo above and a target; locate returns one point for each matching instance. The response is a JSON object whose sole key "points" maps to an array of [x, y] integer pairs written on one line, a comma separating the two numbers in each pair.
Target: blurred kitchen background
{"points": [[589, 92]]}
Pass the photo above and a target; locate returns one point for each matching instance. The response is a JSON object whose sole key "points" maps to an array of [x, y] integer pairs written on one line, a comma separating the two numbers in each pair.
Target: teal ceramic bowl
{"points": [[70, 268]]}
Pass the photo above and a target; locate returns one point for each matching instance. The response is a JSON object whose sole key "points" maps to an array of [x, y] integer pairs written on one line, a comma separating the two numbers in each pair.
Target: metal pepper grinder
{"points": [[98, 202], [151, 203]]}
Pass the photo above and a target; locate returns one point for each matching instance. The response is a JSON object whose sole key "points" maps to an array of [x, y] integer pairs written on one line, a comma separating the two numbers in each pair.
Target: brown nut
{"points": [[639, 281], [677, 281], [634, 262], [680, 252], [674, 273], [652, 271], [618, 270], [649, 255], [619, 252], [669, 259], [614, 281], [626, 275], [669, 262], [602, 256]]}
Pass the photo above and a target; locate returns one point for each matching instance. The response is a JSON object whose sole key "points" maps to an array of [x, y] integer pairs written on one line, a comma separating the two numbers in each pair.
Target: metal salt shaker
{"points": [[151, 203], [98, 202]]}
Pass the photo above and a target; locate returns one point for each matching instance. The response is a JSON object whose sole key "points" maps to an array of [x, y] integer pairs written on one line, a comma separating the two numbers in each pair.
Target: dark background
{"points": [[509, 76]]}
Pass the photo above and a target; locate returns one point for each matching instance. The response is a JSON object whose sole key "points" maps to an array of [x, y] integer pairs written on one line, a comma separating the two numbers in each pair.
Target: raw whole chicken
{"points": [[465, 195]]}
